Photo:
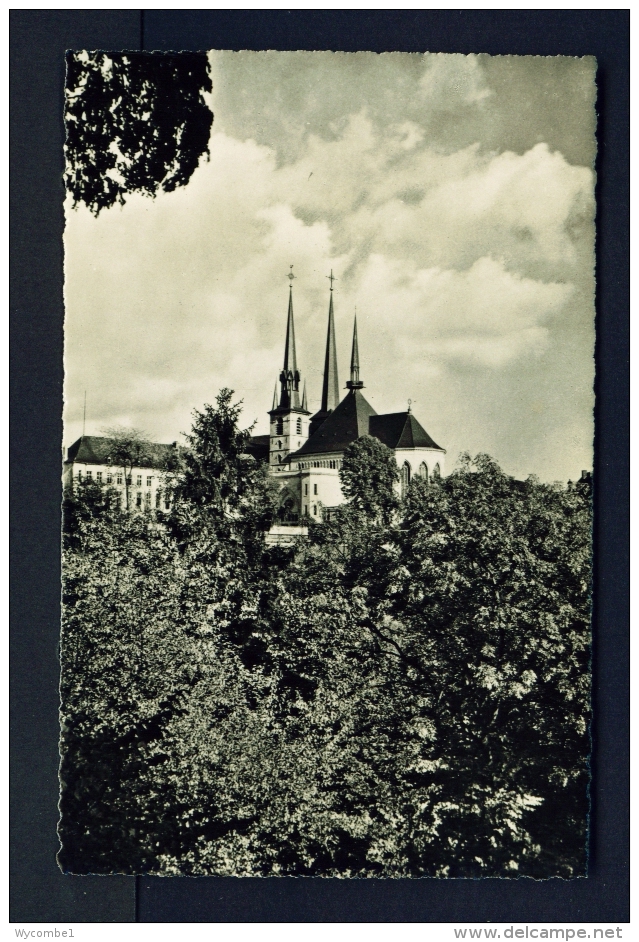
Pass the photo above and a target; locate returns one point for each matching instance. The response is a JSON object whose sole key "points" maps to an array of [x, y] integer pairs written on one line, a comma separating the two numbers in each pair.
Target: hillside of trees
{"points": [[404, 693]]}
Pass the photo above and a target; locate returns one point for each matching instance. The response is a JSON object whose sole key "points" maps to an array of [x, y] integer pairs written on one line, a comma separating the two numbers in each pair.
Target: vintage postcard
{"points": [[327, 464]]}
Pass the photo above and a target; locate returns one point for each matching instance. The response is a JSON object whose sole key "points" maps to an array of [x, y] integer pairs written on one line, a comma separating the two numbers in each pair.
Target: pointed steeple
{"points": [[290, 376], [355, 382], [330, 383], [275, 397], [330, 387], [290, 359], [304, 404]]}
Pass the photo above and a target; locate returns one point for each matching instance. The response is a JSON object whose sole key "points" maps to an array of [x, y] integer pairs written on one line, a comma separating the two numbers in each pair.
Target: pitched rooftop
{"points": [[93, 449], [400, 430], [348, 422]]}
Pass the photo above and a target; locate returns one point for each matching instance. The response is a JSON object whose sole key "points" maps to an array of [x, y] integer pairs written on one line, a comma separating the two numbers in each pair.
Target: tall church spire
{"points": [[290, 359], [330, 387], [290, 377], [355, 382], [330, 384], [288, 418]]}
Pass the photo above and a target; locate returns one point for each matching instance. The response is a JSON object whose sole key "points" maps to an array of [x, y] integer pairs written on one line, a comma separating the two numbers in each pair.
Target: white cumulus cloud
{"points": [[457, 262]]}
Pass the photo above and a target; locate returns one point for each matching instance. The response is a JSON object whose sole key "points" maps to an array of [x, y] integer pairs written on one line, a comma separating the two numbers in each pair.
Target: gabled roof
{"points": [[401, 430], [355, 417], [345, 424], [93, 449]]}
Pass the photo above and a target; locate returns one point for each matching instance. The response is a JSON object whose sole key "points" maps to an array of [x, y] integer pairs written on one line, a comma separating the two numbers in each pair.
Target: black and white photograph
{"points": [[327, 464]]}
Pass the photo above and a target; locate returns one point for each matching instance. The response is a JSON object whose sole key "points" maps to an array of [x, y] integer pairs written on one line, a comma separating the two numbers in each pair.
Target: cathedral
{"points": [[305, 451]]}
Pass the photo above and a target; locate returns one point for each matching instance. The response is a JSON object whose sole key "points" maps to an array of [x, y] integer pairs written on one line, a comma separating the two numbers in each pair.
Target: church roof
{"points": [[345, 424], [401, 430], [355, 417], [94, 449], [258, 447]]}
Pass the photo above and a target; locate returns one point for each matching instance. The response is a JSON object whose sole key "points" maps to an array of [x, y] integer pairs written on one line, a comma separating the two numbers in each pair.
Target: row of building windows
{"points": [[319, 464], [145, 499], [306, 489], [119, 478]]}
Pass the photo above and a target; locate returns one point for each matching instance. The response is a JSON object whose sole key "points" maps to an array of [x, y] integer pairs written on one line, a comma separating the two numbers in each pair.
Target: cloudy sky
{"points": [[452, 197]]}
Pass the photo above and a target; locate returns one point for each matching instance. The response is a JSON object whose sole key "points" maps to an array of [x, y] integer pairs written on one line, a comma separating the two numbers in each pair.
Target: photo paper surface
{"points": [[329, 337]]}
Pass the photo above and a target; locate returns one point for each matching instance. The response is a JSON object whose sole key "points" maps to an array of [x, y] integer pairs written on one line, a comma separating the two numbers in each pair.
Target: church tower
{"points": [[289, 415], [330, 386]]}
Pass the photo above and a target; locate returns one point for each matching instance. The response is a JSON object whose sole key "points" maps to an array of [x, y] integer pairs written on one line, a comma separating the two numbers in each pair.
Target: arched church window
{"points": [[437, 472], [405, 478], [423, 471], [299, 426], [279, 444]]}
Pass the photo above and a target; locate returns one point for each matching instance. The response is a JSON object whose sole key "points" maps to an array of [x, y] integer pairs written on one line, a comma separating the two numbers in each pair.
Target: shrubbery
{"points": [[405, 693]]}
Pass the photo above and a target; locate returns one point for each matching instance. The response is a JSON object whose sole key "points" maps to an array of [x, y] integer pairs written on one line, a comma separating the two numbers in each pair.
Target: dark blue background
{"points": [[39, 891]]}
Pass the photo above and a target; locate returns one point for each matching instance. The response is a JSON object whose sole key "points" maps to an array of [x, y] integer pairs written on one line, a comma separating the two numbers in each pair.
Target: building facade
{"points": [[137, 483], [305, 454]]}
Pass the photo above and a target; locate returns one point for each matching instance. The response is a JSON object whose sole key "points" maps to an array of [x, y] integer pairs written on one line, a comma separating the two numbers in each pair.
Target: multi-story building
{"points": [[137, 482]]}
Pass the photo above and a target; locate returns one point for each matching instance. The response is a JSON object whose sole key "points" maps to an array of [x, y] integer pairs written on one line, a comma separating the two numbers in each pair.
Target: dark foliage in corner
{"points": [[135, 122]]}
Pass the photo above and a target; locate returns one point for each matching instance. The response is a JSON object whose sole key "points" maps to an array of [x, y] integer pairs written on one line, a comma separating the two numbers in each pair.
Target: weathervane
{"points": [[290, 276], [331, 278], [410, 402]]}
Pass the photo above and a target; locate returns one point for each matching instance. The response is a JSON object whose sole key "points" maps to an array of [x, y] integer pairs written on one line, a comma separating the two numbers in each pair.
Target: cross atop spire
{"points": [[355, 382], [291, 276], [331, 278]]}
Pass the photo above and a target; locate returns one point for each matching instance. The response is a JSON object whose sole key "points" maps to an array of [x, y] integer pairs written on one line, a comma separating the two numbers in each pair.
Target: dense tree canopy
{"points": [[368, 477], [135, 122], [403, 693]]}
